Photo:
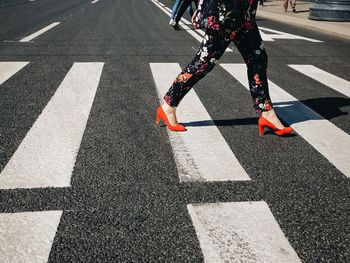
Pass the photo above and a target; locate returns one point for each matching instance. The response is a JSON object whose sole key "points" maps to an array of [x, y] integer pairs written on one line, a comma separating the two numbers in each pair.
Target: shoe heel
{"points": [[261, 130], [157, 119]]}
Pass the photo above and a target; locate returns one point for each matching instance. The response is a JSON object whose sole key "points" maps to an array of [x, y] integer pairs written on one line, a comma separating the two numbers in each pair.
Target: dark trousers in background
{"points": [[183, 6]]}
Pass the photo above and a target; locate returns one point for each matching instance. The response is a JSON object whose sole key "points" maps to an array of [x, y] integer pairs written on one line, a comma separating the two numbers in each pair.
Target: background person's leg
{"points": [[174, 9], [183, 6], [293, 4], [190, 9], [285, 5]]}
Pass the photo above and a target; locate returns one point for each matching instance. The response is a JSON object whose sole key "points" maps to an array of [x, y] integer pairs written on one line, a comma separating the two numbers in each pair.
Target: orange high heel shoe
{"points": [[262, 122], [161, 115]]}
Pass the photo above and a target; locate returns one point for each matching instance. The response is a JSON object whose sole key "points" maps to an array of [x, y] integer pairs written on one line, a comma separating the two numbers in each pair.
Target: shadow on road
{"points": [[328, 108]]}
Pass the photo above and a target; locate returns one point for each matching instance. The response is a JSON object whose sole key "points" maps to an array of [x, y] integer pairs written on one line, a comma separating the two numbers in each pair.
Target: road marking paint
{"points": [[332, 142], [332, 81], [95, 1], [240, 232], [38, 33], [183, 23], [201, 153], [8, 69], [282, 35], [47, 154], [28, 236], [10, 41], [265, 37]]}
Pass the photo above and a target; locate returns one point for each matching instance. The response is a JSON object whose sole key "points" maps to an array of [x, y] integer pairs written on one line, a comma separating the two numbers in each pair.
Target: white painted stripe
{"points": [[282, 35], [183, 23], [38, 33], [8, 69], [332, 142], [27, 237], [332, 81], [47, 154], [191, 32], [95, 1], [201, 153], [240, 232], [265, 37]]}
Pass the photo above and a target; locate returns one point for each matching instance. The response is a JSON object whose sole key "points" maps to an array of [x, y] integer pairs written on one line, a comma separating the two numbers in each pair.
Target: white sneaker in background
{"points": [[171, 22]]}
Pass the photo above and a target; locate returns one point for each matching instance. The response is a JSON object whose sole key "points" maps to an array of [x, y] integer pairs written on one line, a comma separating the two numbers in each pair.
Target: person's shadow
{"points": [[296, 111], [302, 11]]}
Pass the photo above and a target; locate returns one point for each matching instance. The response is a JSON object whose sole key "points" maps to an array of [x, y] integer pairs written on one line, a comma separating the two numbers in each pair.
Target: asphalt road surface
{"points": [[87, 175]]}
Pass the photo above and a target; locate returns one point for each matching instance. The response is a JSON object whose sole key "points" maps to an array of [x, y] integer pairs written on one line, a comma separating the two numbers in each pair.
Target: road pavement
{"points": [[87, 175]]}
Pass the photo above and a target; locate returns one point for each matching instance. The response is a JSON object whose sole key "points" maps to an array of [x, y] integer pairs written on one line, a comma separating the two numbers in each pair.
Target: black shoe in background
{"points": [[176, 27]]}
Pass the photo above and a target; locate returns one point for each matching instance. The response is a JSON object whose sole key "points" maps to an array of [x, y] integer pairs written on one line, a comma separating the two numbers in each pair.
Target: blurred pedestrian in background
{"points": [[175, 10], [293, 3], [184, 5]]}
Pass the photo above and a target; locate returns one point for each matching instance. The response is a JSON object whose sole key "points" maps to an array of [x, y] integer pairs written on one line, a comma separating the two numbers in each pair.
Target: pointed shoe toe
{"points": [[284, 131], [262, 123], [178, 128]]}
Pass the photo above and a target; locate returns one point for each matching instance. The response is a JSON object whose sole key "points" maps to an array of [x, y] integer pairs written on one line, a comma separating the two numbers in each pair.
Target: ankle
{"points": [[269, 114], [272, 118], [168, 109]]}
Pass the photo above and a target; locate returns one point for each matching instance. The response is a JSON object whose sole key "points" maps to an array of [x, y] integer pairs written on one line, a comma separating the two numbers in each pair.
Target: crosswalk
{"points": [[219, 163], [8, 69], [47, 154], [316, 130], [27, 236], [240, 232], [323, 77], [227, 232]]}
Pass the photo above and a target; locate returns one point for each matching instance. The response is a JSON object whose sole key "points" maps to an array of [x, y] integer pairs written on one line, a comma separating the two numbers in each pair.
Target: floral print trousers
{"points": [[248, 41]]}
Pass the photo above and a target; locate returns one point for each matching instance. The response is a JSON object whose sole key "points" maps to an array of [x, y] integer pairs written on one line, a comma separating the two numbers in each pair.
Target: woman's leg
{"points": [[249, 43], [213, 46]]}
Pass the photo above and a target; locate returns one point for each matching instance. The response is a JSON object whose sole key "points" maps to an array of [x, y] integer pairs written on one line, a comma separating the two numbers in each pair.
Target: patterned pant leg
{"points": [[213, 46], [249, 43]]}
